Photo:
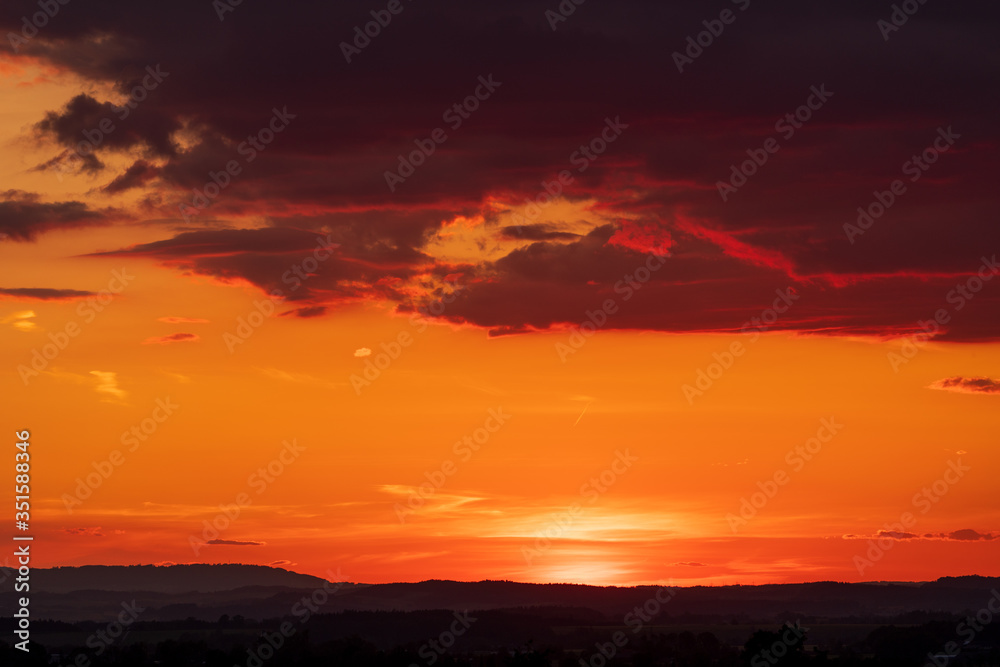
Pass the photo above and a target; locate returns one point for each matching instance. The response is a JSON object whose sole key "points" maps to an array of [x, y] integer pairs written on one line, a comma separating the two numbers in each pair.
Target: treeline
{"points": [[236, 642]]}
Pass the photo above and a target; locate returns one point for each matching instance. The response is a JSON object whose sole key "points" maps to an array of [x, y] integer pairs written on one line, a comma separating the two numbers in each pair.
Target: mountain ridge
{"points": [[206, 591]]}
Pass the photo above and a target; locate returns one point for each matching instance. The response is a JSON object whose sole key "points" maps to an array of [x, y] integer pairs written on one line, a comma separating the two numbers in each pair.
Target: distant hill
{"points": [[209, 591], [165, 578]]}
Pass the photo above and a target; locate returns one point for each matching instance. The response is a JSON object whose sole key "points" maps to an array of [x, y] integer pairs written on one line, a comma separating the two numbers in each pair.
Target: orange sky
{"points": [[335, 504]]}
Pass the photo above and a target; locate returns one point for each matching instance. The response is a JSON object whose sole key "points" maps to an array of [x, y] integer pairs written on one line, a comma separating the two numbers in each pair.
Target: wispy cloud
{"points": [[43, 293], [182, 320], [298, 378], [961, 535], [967, 385], [107, 384], [21, 320], [94, 531], [172, 338]]}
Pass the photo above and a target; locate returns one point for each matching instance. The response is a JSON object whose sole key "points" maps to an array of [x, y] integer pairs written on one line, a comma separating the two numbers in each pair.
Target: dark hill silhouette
{"points": [[166, 578], [209, 591]]}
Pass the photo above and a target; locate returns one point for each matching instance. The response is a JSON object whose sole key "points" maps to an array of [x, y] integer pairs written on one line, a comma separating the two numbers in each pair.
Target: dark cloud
{"points": [[968, 385], [286, 260], [23, 215], [548, 284], [542, 232], [968, 534], [44, 293], [963, 535], [70, 162], [558, 89], [236, 543], [92, 532], [557, 284], [225, 242], [140, 173], [88, 126], [508, 331], [308, 311], [172, 338]]}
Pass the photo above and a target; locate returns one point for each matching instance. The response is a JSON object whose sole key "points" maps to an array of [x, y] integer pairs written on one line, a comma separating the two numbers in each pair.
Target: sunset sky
{"points": [[604, 291]]}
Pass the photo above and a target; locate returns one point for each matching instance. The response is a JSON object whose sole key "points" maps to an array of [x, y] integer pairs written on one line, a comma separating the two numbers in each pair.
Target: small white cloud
{"points": [[302, 378], [21, 320], [362, 352], [107, 383]]}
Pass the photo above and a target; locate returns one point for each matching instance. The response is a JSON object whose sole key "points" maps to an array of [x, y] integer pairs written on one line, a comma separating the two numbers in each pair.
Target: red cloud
{"points": [[172, 338]]}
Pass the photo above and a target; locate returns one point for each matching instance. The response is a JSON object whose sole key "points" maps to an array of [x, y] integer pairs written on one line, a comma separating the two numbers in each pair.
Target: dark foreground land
{"points": [[229, 615]]}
